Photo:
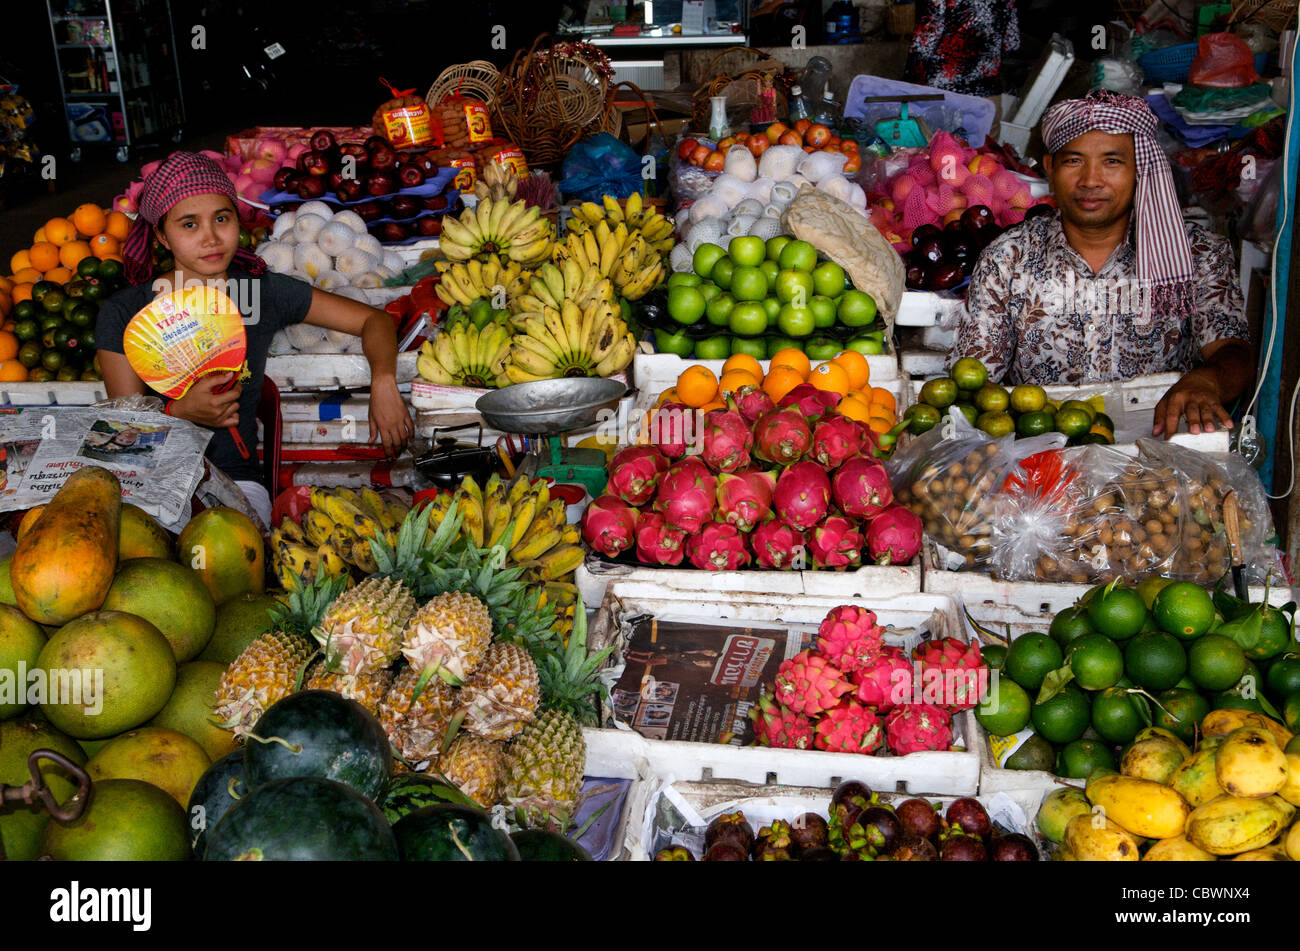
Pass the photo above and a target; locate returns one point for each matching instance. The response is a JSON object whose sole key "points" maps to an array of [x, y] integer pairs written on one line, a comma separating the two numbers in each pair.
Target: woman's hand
{"points": [[390, 420], [208, 408]]}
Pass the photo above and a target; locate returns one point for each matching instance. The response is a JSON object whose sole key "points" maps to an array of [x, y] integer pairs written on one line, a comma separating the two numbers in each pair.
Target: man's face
{"points": [[1094, 178]]}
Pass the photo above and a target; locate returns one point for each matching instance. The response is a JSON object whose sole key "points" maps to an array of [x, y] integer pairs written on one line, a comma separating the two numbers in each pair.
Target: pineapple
{"points": [[367, 689], [448, 636], [477, 767], [545, 765], [416, 728], [266, 670], [362, 630], [503, 694]]}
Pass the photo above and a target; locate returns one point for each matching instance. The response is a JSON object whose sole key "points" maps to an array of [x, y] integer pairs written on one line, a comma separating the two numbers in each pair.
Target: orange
{"points": [[20, 261], [743, 361], [852, 407], [855, 365], [6, 285], [6, 303], [28, 275], [118, 225], [880, 425], [882, 397], [70, 254], [780, 380], [830, 377], [11, 371], [711, 406], [22, 292], [733, 380], [795, 359], [60, 231], [697, 386], [44, 255], [60, 275], [8, 345], [668, 396], [105, 245], [40, 235], [89, 219]]}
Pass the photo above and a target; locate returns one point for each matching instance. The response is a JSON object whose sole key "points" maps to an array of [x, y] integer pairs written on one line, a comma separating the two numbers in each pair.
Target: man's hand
{"points": [[207, 408], [1195, 396], [390, 420]]}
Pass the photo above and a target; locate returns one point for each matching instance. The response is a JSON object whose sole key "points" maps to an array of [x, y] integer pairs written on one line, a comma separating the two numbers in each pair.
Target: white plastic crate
{"points": [[658, 371], [330, 371], [52, 394], [927, 308]]}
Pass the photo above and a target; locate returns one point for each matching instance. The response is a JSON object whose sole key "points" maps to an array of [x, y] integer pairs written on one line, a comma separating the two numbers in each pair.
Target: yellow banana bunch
{"points": [[627, 244], [470, 499], [497, 228], [335, 533], [467, 281], [464, 355], [570, 341], [496, 182]]}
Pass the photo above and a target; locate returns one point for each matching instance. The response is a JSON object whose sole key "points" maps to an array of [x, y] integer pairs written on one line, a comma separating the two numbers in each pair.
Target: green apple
{"points": [[747, 250], [685, 304], [775, 244], [828, 278], [866, 344], [684, 279], [718, 309], [776, 344], [708, 290], [795, 321], [770, 271], [798, 256], [857, 309], [821, 348], [748, 283], [750, 346], [823, 310], [748, 319], [773, 307], [722, 273], [713, 348], [794, 287], [678, 344], [707, 255]]}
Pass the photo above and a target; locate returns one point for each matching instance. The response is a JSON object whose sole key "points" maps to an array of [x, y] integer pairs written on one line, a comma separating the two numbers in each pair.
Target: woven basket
{"points": [[1277, 15], [612, 117], [900, 19], [740, 86], [476, 79]]}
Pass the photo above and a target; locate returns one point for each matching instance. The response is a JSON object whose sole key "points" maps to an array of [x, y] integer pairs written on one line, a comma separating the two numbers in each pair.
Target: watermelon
{"points": [[304, 819], [319, 733], [538, 845], [445, 833], [212, 797], [413, 791]]}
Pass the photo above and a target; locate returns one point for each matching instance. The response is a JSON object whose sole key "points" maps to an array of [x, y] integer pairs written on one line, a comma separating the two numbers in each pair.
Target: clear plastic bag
{"points": [[134, 403]]}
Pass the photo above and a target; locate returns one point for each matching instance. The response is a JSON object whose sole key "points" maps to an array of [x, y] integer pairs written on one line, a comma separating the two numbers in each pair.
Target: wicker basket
{"points": [[740, 86], [1277, 15], [900, 19], [476, 79]]}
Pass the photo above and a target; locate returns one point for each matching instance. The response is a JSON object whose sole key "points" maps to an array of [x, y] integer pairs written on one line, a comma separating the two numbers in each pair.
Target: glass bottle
{"points": [[798, 104]]}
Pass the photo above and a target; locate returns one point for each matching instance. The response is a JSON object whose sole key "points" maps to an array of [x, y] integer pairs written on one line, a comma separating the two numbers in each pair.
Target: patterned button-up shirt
{"points": [[1036, 312]]}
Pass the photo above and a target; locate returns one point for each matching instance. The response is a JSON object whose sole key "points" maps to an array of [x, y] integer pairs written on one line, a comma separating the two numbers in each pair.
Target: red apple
{"points": [[312, 186], [699, 154], [775, 131], [391, 232], [281, 178], [405, 206], [436, 203], [315, 163], [817, 135], [411, 176], [429, 226], [382, 183], [350, 190], [714, 162], [322, 140], [684, 149], [369, 211], [790, 138], [757, 144]]}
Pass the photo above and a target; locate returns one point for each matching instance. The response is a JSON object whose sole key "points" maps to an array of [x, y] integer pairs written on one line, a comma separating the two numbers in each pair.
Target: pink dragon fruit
{"points": [[811, 402], [609, 525], [849, 637], [782, 436], [753, 402], [960, 683], [809, 683], [861, 487], [774, 725], [727, 439], [835, 440], [672, 429], [885, 681], [894, 536], [849, 728], [802, 495], [913, 727], [656, 543], [745, 499], [634, 473], [687, 495], [718, 547], [776, 545], [836, 543]]}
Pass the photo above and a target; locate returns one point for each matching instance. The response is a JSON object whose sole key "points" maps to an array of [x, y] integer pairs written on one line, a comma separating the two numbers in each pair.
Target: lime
{"points": [[1183, 710], [83, 316], [88, 267], [52, 360], [40, 375], [969, 374], [992, 398], [1215, 662], [1115, 716], [1150, 587], [1032, 657], [993, 655], [1082, 406], [1096, 660], [1291, 712], [1155, 660], [26, 330], [1227, 700], [1035, 424], [939, 393], [1284, 676], [755, 348], [1117, 612], [110, 270], [1101, 419], [25, 310], [967, 409], [1079, 758], [1028, 398], [1064, 718], [1185, 610], [1069, 624], [1004, 709], [53, 301], [1274, 636], [996, 424], [1072, 422], [41, 288], [95, 289], [29, 354], [921, 417], [68, 374]]}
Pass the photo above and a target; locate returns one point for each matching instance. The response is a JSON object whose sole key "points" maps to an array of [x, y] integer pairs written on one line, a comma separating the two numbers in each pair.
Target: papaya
{"points": [[1231, 825], [227, 551], [1250, 764], [1095, 838], [139, 536], [1177, 849], [64, 566], [164, 758], [1140, 806], [28, 520]]}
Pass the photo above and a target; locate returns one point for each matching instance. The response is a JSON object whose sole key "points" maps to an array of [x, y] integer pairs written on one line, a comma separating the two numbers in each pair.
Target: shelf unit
{"points": [[119, 75]]}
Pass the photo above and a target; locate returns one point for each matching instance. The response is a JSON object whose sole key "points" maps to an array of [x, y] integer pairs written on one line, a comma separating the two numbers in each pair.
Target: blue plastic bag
{"points": [[600, 165]]}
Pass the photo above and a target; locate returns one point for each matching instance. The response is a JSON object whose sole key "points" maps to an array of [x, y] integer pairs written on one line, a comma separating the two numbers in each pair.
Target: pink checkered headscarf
{"points": [[1164, 255], [182, 175]]}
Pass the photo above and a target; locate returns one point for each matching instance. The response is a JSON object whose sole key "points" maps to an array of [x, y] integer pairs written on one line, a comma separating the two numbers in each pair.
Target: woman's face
{"points": [[202, 233]]}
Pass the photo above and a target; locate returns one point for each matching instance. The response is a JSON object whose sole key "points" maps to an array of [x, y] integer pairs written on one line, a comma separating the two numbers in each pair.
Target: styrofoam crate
{"points": [[626, 754], [658, 371], [329, 371], [323, 407], [52, 394], [922, 364], [927, 308]]}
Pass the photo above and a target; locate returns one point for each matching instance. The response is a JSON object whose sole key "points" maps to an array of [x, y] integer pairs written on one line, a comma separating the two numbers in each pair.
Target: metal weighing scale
{"points": [[551, 408]]}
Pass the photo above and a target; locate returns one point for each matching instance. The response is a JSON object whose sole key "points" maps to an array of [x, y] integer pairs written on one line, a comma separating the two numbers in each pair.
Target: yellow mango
{"points": [[1250, 764], [1155, 758], [1292, 843], [1095, 838], [1140, 806], [1291, 790], [1281, 735], [1270, 853], [1156, 731], [1223, 722], [1064, 855], [1231, 825], [1195, 780], [1058, 808], [1177, 849]]}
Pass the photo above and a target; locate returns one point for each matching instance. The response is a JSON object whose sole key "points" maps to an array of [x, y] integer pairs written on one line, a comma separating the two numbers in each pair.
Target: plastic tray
{"points": [[51, 394], [431, 188]]}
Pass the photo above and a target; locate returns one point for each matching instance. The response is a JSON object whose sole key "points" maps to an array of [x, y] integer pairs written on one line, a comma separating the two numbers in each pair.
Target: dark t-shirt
{"points": [[268, 303]]}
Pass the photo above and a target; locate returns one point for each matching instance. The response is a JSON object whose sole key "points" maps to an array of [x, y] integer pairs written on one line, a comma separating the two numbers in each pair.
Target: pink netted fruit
{"points": [[672, 429], [774, 725], [1005, 184], [835, 440], [609, 525], [849, 637], [836, 543], [782, 436], [809, 683], [849, 728], [960, 681], [634, 473], [802, 495], [894, 536], [726, 440], [717, 547], [861, 488], [914, 727], [753, 402], [979, 190], [745, 499], [656, 543], [777, 545], [885, 681], [687, 495], [811, 402]]}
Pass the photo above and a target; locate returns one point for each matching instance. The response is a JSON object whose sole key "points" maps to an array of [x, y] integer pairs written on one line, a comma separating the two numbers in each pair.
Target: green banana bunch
{"points": [[463, 355], [570, 341]]}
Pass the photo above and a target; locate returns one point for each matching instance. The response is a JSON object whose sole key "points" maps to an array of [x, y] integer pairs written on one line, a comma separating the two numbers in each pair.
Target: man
{"points": [[1114, 284]]}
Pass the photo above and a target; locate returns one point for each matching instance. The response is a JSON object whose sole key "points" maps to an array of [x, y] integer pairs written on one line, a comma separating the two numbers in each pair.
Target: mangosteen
{"points": [[929, 251], [773, 838], [429, 227], [808, 831], [852, 791], [404, 206], [311, 186], [924, 233], [882, 828], [1013, 848], [314, 163], [919, 818], [369, 211], [391, 232], [436, 203], [915, 276], [281, 178], [819, 853], [957, 847], [322, 140], [674, 853], [942, 276], [382, 183], [730, 827], [1041, 210], [726, 852], [967, 814], [411, 176], [977, 217], [914, 848], [350, 190]]}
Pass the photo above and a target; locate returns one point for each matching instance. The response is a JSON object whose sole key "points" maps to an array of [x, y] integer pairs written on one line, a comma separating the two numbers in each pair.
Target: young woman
{"points": [[189, 204]]}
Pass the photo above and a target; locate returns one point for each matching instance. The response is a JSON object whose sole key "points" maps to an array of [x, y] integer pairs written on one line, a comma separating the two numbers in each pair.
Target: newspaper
{"points": [[157, 458]]}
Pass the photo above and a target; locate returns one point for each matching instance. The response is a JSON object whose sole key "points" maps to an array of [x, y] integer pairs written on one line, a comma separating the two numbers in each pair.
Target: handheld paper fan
{"points": [[183, 336]]}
